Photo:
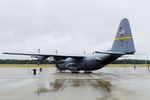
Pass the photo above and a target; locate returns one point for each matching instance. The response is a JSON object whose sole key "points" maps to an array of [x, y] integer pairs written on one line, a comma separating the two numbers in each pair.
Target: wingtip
{"points": [[4, 52]]}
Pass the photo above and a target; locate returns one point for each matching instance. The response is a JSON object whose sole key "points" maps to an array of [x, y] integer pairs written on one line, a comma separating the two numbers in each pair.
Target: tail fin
{"points": [[123, 41]]}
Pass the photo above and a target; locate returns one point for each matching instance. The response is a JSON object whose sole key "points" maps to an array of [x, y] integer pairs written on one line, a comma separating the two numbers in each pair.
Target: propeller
{"points": [[38, 60]]}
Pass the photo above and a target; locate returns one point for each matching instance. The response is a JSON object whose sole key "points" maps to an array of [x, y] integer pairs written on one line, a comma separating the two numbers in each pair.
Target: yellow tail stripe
{"points": [[123, 38]]}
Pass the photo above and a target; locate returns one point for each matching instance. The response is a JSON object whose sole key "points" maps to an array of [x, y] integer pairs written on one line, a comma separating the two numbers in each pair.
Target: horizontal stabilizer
{"points": [[109, 52]]}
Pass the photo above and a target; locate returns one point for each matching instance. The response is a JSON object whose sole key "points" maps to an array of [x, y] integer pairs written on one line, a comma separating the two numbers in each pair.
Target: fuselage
{"points": [[88, 63]]}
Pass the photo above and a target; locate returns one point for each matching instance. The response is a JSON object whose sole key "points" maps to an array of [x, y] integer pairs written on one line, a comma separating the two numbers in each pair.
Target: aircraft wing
{"points": [[45, 55]]}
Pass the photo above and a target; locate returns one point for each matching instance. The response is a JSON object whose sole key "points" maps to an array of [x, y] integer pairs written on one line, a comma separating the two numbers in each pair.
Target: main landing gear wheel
{"points": [[87, 72], [74, 71]]}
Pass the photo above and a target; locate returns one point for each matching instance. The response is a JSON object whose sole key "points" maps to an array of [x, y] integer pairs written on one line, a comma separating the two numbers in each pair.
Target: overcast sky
{"points": [[70, 26]]}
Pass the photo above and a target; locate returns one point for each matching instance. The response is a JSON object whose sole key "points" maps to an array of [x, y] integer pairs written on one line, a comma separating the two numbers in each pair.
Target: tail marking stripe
{"points": [[123, 38]]}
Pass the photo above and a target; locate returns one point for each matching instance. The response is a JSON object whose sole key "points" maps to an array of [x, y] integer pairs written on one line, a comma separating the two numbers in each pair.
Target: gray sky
{"points": [[70, 26]]}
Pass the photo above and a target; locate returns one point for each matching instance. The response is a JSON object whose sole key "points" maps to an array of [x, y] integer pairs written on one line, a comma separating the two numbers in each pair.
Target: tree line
{"points": [[124, 61]]}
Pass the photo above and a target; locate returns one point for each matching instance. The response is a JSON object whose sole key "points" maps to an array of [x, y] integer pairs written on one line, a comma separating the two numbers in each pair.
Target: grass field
{"points": [[25, 65], [51, 65], [128, 65]]}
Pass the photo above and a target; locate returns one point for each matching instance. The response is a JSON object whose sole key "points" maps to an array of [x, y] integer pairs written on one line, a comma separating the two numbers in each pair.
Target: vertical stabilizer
{"points": [[123, 41]]}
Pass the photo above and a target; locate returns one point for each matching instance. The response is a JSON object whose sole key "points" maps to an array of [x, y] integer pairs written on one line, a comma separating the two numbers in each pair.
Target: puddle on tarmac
{"points": [[73, 88]]}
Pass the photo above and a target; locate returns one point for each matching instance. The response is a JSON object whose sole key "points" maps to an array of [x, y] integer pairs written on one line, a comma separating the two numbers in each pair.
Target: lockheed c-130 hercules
{"points": [[123, 45]]}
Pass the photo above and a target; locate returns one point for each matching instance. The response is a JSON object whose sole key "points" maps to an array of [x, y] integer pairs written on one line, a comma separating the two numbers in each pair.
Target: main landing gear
{"points": [[74, 71], [87, 72]]}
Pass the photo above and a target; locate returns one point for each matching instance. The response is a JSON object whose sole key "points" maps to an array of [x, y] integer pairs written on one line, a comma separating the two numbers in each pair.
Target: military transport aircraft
{"points": [[123, 45]]}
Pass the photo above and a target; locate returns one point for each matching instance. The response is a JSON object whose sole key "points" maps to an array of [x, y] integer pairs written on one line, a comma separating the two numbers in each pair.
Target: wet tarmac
{"points": [[105, 84]]}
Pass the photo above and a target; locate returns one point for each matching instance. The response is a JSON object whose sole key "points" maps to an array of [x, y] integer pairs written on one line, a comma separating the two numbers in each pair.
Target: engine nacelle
{"points": [[52, 60], [41, 58]]}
